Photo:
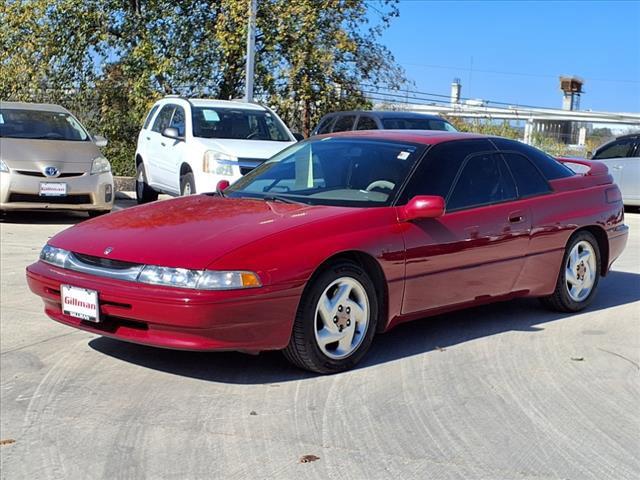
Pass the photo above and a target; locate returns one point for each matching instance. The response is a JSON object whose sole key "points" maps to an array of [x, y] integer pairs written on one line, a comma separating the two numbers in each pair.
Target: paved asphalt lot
{"points": [[508, 391]]}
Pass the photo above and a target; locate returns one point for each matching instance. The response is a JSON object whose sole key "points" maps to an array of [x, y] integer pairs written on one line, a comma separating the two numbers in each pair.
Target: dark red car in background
{"points": [[336, 239]]}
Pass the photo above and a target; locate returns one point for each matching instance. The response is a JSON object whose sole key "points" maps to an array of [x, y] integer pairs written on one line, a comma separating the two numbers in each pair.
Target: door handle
{"points": [[516, 217], [148, 138], [618, 167], [163, 144]]}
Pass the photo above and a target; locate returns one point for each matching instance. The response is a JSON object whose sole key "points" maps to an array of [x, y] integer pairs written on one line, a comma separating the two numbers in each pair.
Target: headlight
{"points": [[54, 256], [100, 165], [3, 167], [198, 279], [214, 280], [217, 162]]}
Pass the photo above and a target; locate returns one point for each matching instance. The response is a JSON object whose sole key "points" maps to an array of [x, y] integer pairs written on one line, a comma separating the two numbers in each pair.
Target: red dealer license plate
{"points": [[80, 303]]}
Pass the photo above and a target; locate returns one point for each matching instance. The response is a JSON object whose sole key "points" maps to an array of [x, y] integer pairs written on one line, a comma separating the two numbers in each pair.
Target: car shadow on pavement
{"points": [[427, 336], [52, 217]]}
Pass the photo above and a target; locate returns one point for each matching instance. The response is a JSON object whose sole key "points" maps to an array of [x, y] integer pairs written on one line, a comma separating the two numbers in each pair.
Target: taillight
{"points": [[613, 195]]}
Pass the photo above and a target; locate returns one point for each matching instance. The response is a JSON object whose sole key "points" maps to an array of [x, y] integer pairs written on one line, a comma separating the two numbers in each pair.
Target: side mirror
{"points": [[100, 141], [422, 206], [222, 185], [589, 155], [171, 132], [298, 136]]}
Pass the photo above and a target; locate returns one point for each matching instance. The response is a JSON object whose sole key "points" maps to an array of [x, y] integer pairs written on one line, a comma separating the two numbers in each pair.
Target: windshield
{"points": [[332, 171], [417, 124], [214, 122], [42, 125]]}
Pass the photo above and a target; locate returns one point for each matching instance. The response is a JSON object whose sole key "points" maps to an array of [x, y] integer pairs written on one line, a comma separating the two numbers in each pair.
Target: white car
{"points": [[187, 146], [622, 157]]}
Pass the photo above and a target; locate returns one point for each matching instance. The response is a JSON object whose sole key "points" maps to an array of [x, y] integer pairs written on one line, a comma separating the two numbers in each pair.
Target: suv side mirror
{"points": [[422, 206], [99, 141], [589, 155], [171, 132], [298, 136]]}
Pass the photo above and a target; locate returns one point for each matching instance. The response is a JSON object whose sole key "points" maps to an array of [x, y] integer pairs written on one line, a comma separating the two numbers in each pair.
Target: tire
{"points": [[568, 297], [144, 193], [97, 213], [355, 313], [187, 184]]}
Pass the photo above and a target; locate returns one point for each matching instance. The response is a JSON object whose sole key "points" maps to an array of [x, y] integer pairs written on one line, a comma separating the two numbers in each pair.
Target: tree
{"points": [[109, 60]]}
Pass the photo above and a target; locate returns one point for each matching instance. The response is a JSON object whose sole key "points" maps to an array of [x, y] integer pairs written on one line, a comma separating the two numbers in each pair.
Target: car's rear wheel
{"points": [[336, 320], [144, 193], [579, 275], [187, 184]]}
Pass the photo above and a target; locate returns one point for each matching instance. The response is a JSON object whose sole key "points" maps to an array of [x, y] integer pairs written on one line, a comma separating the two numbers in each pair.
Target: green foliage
{"points": [[108, 60]]}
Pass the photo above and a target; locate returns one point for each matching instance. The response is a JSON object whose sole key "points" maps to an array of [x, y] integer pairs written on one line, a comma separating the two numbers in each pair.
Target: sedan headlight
{"points": [[218, 163], [100, 165], [3, 167], [174, 277], [215, 280], [54, 256]]}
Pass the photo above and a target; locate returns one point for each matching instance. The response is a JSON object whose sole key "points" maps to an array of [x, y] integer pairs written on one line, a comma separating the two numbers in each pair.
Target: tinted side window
{"points": [[484, 179], [437, 171], [366, 123], [178, 121], [618, 149], [325, 126], [549, 166], [528, 178], [344, 123], [163, 119], [147, 121]]}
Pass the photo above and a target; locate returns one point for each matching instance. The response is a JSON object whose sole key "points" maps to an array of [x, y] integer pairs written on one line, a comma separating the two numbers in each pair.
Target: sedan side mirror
{"points": [[422, 206], [99, 141], [298, 136], [222, 185], [171, 132]]}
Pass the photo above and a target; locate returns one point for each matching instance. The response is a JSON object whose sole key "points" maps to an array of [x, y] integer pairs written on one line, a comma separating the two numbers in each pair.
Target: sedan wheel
{"points": [[336, 320], [579, 275], [342, 318]]}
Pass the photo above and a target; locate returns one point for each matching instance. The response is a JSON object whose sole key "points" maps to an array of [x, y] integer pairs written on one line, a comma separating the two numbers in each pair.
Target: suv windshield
{"points": [[214, 122], [332, 171], [417, 124], [35, 124]]}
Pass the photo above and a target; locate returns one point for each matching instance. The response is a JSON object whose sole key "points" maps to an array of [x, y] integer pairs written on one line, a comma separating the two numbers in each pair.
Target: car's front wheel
{"points": [[336, 320], [144, 193], [187, 184], [579, 275]]}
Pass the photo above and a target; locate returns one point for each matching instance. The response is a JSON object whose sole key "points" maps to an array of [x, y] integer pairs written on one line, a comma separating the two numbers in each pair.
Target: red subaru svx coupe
{"points": [[335, 239]]}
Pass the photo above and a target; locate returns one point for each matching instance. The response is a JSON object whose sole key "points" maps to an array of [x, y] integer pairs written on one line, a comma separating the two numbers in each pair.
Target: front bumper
{"points": [[245, 320], [84, 192]]}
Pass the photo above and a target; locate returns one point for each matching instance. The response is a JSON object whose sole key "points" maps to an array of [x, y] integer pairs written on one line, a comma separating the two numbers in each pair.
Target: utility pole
{"points": [[251, 51]]}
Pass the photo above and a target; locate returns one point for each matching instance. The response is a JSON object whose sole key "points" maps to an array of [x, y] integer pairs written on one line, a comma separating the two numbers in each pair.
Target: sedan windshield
{"points": [[231, 123], [42, 125], [332, 171]]}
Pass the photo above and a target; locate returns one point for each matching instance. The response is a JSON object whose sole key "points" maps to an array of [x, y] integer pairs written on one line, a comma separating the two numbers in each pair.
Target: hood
{"points": [[23, 153], [187, 232], [254, 149]]}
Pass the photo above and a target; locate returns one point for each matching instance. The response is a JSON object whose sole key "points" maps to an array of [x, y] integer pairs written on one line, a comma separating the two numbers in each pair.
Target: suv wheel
{"points": [[144, 193], [187, 184]]}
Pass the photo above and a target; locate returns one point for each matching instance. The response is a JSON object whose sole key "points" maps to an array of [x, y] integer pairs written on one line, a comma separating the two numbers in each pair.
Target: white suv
{"points": [[189, 145]]}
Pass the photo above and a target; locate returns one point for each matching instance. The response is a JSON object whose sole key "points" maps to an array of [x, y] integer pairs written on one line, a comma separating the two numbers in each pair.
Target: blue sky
{"points": [[532, 43]]}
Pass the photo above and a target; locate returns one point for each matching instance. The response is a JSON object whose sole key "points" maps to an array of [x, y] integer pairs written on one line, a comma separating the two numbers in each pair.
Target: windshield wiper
{"points": [[279, 198]]}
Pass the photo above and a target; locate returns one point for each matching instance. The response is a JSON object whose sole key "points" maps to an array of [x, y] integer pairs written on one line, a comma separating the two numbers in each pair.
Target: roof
{"points": [[428, 137], [387, 114], [209, 102], [42, 107]]}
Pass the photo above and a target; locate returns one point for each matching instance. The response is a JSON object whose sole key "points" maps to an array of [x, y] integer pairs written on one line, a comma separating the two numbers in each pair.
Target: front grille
{"points": [[42, 175], [63, 199], [248, 164], [104, 262]]}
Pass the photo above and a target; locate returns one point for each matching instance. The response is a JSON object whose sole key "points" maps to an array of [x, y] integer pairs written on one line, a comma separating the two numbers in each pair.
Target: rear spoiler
{"points": [[588, 174]]}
